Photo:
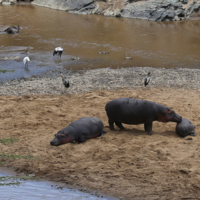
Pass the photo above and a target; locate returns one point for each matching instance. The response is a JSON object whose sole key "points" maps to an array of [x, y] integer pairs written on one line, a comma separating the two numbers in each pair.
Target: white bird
{"points": [[65, 81], [147, 79], [25, 61], [128, 58], [58, 51]]}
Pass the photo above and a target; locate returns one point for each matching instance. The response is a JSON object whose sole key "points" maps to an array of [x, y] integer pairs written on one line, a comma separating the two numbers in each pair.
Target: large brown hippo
{"points": [[185, 128], [79, 131], [135, 111]]}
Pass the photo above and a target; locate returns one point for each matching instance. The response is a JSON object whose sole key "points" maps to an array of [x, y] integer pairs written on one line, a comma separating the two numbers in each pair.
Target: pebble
{"points": [[97, 79]]}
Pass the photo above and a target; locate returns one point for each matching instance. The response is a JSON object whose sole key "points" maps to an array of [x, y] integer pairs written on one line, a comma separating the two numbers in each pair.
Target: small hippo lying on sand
{"points": [[185, 128], [80, 131], [135, 111]]}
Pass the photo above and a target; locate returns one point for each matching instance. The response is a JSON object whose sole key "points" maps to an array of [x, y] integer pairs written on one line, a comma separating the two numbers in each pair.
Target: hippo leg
{"points": [[119, 124], [82, 139], [148, 127], [111, 124], [104, 131]]}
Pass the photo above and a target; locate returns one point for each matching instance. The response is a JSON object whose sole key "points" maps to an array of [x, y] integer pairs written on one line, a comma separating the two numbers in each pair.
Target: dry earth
{"points": [[128, 164]]}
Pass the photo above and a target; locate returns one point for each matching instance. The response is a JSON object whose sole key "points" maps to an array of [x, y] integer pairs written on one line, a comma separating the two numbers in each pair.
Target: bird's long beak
{"points": [[61, 75]]}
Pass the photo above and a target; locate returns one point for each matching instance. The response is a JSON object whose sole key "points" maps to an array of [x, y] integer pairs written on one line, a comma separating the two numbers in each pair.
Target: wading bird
{"points": [[25, 61], [58, 51], [65, 81], [103, 52], [147, 79], [128, 58]]}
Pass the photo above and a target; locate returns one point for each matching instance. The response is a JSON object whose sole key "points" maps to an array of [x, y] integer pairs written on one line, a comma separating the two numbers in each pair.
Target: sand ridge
{"points": [[127, 164]]}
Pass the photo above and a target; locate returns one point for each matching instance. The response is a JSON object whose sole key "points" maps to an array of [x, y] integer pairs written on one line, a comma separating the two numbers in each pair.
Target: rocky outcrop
{"points": [[78, 6], [157, 10], [154, 10], [7, 2]]}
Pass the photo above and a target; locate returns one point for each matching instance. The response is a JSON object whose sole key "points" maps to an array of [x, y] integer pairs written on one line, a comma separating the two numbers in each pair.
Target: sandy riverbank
{"points": [[128, 164]]}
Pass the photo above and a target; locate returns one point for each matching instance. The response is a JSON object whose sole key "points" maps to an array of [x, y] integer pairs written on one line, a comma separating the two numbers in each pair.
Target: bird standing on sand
{"points": [[103, 52], [58, 51], [147, 79], [25, 61], [65, 81], [128, 58]]}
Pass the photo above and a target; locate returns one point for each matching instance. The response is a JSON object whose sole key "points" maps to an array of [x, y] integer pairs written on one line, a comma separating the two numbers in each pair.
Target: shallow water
{"points": [[31, 190], [153, 44]]}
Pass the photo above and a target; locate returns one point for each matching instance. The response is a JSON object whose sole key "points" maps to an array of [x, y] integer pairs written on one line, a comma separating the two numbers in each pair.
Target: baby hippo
{"points": [[79, 131], [185, 128]]}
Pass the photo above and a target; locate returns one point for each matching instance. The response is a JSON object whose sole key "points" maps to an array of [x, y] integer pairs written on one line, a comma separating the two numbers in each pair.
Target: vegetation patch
{"points": [[4, 70], [15, 180], [14, 156], [8, 140], [2, 163]]}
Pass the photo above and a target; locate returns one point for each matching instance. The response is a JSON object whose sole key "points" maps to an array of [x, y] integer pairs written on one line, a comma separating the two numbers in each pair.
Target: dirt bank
{"points": [[129, 164]]}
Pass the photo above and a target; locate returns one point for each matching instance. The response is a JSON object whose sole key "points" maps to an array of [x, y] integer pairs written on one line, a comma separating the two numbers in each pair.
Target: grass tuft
{"points": [[14, 180], [8, 140], [14, 156], [4, 70]]}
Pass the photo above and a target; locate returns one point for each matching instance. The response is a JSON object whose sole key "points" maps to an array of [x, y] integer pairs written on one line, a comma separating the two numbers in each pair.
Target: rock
{"points": [[11, 2], [6, 3], [72, 6], [154, 10], [184, 1]]}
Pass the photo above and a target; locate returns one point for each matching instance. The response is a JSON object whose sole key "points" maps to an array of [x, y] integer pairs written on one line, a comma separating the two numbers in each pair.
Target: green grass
{"points": [[14, 156], [8, 140], [2, 163], [4, 70], [14, 180]]}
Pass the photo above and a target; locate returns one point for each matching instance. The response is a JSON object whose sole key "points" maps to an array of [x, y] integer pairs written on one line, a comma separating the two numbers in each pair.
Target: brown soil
{"points": [[129, 164]]}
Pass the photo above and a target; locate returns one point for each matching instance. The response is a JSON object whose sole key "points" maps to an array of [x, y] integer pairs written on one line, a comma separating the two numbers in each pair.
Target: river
{"points": [[31, 190], [152, 44]]}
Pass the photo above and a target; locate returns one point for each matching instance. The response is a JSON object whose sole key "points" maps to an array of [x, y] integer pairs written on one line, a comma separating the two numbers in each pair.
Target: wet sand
{"points": [[125, 164]]}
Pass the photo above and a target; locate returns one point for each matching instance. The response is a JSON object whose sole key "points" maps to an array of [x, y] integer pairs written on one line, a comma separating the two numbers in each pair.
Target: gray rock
{"points": [[154, 10], [80, 5], [184, 1]]}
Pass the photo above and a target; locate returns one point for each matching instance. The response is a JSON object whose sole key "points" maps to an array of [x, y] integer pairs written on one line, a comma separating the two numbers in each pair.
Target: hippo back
{"points": [[88, 126], [131, 111]]}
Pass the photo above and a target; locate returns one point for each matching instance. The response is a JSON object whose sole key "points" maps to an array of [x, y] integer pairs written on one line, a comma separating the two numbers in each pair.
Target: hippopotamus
{"points": [[185, 128], [135, 111], [79, 131], [10, 29]]}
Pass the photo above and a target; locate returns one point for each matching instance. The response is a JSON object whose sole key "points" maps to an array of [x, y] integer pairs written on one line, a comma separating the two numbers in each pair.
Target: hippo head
{"points": [[167, 115], [61, 138]]}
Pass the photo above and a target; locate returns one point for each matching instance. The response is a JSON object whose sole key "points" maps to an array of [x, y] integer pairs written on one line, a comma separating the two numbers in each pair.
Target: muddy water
{"points": [[153, 44], [31, 190]]}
